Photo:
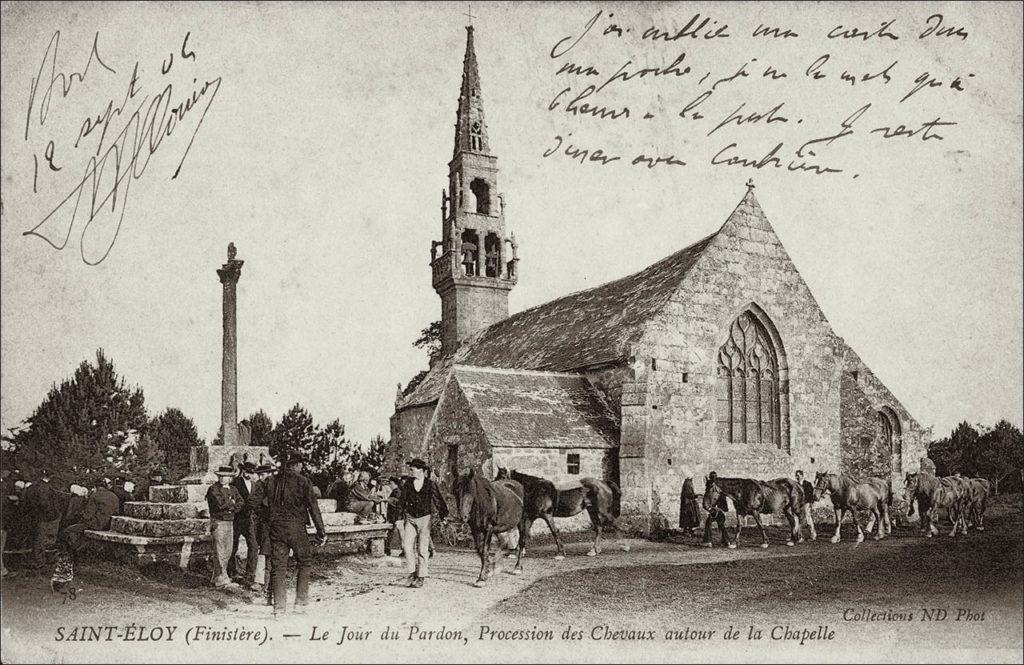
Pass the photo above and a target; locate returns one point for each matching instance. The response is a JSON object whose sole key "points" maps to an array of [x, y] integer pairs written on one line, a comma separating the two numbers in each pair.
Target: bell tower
{"points": [[474, 265]]}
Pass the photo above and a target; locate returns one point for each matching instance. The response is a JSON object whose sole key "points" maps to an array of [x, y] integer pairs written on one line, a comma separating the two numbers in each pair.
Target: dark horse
{"points": [[752, 497], [544, 501], [490, 508]]}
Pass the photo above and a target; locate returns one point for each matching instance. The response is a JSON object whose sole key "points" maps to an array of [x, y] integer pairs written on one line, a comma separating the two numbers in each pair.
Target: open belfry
{"points": [[717, 357]]}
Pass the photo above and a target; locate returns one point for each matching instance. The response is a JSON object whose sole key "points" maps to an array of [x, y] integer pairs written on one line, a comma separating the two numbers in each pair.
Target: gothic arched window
{"points": [[753, 392], [890, 432]]}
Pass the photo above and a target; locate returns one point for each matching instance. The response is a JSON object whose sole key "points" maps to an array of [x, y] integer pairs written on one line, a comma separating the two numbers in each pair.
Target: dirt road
{"points": [[702, 596]]}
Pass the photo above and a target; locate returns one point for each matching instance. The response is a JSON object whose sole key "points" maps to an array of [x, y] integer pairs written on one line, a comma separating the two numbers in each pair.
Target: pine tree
{"points": [[91, 423], [174, 434]]}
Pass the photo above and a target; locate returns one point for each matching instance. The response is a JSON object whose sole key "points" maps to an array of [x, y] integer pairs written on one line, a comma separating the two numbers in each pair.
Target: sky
{"points": [[317, 136]]}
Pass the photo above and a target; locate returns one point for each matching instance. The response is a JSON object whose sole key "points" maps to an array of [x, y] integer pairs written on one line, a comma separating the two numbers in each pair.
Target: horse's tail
{"points": [[616, 507]]}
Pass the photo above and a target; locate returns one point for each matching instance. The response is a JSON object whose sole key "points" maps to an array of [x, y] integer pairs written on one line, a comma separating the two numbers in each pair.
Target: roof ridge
{"points": [[503, 370]]}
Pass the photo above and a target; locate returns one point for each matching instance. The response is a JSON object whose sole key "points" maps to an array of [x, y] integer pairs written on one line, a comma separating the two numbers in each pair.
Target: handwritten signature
{"points": [[105, 182]]}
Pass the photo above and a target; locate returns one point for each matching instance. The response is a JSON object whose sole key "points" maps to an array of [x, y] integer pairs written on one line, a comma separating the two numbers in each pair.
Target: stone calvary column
{"points": [[229, 274], [204, 460], [173, 525]]}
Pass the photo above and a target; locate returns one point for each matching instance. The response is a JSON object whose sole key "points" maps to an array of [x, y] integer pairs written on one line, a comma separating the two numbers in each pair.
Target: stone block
{"points": [[204, 460], [338, 519], [327, 505], [161, 511], [168, 494], [159, 528]]}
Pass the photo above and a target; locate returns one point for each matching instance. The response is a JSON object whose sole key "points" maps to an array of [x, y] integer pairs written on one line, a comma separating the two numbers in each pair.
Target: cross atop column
{"points": [[469, 13], [750, 183]]}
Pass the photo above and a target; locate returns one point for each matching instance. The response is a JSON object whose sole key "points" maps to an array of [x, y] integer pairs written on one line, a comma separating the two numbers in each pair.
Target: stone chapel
{"points": [[716, 358]]}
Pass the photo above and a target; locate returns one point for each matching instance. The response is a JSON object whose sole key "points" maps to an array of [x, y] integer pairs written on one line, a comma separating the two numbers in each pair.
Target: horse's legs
{"points": [[954, 517], [554, 532], [707, 531], [794, 527], [720, 521], [524, 533], [595, 520], [481, 550], [764, 536], [739, 528], [877, 512], [856, 520], [485, 552], [839, 522]]}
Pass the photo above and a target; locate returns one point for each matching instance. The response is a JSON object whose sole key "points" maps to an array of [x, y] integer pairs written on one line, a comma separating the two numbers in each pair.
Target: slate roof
{"points": [[523, 409], [582, 329], [576, 331]]}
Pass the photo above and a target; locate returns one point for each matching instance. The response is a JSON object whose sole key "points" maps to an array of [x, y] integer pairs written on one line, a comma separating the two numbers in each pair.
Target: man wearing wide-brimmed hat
{"points": [[291, 502], [245, 526], [420, 499], [259, 507], [224, 502]]}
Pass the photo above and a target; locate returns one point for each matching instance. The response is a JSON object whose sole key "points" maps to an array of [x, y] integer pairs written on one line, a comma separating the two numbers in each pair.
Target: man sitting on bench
{"points": [[362, 500]]}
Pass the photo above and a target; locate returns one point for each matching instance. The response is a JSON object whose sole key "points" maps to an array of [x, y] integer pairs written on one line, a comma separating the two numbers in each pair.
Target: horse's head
{"points": [[822, 483], [464, 494], [711, 492], [911, 483]]}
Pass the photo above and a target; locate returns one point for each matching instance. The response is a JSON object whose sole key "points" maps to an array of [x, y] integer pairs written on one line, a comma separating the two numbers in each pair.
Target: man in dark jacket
{"points": [[808, 490], [43, 506], [340, 490], [245, 526], [123, 495], [291, 502], [224, 502], [420, 499]]}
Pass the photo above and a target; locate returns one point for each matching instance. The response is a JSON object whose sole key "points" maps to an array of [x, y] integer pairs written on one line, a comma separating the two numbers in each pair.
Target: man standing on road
{"points": [[808, 490], [245, 526], [291, 502], [43, 506], [420, 498], [224, 502]]}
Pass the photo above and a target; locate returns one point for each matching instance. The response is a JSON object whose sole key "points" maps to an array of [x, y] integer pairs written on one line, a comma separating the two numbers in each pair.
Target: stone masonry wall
{"points": [[455, 424], [551, 463], [863, 397], [408, 429], [670, 413]]}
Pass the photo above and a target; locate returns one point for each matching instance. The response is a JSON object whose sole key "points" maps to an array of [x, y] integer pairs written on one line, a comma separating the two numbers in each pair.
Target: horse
{"points": [[977, 500], [490, 508], [949, 492], [544, 501], [752, 497], [851, 495]]}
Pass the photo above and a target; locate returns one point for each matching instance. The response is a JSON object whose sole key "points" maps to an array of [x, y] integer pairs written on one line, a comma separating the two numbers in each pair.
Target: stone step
{"points": [[133, 526], [147, 510], [168, 494]]}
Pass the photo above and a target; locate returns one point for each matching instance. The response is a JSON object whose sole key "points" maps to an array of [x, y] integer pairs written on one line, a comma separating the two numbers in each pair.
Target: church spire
{"points": [[475, 264], [470, 127]]}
